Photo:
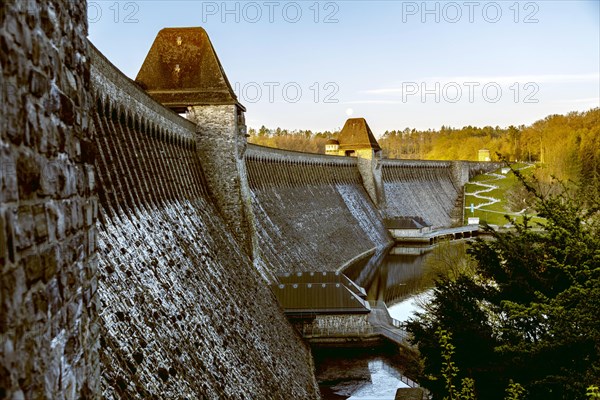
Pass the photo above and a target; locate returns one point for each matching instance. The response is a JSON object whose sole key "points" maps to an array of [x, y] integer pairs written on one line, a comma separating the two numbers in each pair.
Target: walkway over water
{"points": [[385, 325], [329, 307], [460, 232]]}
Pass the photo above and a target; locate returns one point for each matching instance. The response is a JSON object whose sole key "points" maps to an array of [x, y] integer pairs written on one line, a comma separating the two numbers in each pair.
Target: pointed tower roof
{"points": [[182, 69], [356, 134]]}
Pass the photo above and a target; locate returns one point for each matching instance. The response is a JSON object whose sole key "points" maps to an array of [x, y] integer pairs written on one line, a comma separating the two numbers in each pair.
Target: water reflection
{"points": [[356, 374], [393, 274], [406, 308], [402, 277]]}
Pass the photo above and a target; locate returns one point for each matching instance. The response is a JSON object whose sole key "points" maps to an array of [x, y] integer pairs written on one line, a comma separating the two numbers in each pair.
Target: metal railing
{"points": [[311, 331], [399, 330]]}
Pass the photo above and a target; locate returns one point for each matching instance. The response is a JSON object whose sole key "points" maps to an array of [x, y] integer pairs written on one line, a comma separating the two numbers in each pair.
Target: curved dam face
{"points": [[426, 189], [184, 313], [311, 212]]}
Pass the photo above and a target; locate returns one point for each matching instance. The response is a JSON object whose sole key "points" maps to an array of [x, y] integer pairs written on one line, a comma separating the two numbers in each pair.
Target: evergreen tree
{"points": [[530, 311]]}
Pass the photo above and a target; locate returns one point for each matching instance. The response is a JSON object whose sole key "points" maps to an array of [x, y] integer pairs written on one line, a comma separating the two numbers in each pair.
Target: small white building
{"points": [[332, 147]]}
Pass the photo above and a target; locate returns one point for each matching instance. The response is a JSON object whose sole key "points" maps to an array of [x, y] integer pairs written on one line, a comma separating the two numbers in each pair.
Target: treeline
{"points": [[297, 140], [567, 145]]}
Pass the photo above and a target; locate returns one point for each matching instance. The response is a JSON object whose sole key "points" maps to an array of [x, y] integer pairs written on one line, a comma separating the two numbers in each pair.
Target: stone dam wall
{"points": [[122, 275], [184, 312], [311, 212], [48, 283], [426, 189]]}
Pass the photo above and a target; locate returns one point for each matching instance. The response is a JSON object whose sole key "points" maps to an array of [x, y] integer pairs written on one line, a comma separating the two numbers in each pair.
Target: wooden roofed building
{"points": [[324, 306]]}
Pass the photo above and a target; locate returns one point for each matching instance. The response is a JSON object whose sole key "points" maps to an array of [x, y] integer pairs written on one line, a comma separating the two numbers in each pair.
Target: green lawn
{"points": [[493, 214]]}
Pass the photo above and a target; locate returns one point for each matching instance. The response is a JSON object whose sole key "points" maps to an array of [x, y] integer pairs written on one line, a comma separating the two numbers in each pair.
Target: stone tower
{"points": [[182, 71], [357, 140]]}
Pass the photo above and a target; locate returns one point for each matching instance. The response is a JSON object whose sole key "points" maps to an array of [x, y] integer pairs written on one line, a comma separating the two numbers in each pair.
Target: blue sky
{"points": [[310, 65]]}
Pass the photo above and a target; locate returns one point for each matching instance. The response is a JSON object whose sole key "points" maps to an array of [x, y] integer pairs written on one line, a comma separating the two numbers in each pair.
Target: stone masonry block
{"points": [[28, 174], [39, 219], [8, 177], [3, 244], [33, 268], [50, 262], [25, 228], [55, 221]]}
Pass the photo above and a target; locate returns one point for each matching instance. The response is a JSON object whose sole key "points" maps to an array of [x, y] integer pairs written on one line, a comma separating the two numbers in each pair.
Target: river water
{"points": [[400, 277]]}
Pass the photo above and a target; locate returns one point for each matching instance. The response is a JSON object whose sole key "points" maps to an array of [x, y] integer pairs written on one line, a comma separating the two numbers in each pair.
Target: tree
{"points": [[529, 312], [263, 131]]}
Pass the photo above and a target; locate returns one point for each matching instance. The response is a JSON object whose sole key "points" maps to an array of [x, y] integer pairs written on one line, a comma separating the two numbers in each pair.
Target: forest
{"points": [[568, 146]]}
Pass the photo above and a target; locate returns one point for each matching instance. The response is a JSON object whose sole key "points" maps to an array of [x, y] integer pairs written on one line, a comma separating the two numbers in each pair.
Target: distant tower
{"points": [[357, 140], [483, 155], [182, 71], [331, 147]]}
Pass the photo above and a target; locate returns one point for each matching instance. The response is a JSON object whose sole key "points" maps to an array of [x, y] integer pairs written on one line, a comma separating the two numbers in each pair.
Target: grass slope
{"points": [[494, 213]]}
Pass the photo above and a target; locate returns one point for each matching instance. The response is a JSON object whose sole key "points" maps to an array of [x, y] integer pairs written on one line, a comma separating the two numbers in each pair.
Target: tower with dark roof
{"points": [[357, 140], [182, 72]]}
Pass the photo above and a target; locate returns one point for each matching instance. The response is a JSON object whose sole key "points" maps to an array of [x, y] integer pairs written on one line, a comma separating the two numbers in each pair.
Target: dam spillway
{"points": [[311, 211]]}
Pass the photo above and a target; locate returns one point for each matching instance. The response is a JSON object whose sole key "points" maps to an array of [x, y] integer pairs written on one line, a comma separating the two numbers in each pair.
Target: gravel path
{"points": [[488, 187]]}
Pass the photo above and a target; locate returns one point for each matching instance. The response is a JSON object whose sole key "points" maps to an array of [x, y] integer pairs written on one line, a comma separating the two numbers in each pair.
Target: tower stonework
{"points": [[357, 140], [460, 176], [182, 71], [460, 173], [221, 143]]}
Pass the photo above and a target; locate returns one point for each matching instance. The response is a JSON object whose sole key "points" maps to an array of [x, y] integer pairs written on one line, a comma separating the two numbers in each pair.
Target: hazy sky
{"points": [[309, 65]]}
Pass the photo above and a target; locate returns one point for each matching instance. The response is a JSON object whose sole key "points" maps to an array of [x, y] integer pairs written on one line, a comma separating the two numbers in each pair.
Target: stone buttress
{"points": [[357, 140]]}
